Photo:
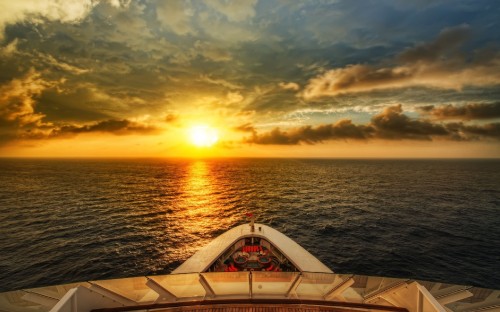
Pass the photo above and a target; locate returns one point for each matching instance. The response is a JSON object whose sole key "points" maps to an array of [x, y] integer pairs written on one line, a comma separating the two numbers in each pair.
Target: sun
{"points": [[203, 136]]}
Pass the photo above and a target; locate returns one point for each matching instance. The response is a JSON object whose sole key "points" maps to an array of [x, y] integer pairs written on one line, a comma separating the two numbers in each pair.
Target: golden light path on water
{"points": [[199, 209]]}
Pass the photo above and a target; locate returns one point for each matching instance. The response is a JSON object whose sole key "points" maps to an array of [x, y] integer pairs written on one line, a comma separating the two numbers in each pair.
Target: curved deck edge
{"points": [[300, 257]]}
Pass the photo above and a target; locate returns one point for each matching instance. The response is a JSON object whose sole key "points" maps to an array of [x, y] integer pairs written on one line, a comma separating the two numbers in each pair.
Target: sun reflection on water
{"points": [[199, 211]]}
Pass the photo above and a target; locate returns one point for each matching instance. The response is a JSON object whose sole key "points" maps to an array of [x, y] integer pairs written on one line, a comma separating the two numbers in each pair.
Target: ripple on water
{"points": [[75, 220]]}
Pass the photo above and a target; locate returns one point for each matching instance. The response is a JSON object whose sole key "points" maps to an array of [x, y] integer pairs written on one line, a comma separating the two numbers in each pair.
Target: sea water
{"points": [[69, 220]]}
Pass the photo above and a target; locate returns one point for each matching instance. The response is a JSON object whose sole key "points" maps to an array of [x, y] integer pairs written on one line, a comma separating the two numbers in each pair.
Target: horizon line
{"points": [[247, 157]]}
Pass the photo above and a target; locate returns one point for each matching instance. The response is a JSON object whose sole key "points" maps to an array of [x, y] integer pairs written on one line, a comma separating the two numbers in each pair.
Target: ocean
{"points": [[69, 220]]}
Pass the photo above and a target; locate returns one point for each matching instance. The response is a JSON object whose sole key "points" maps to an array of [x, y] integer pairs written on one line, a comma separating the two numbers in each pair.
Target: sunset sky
{"points": [[272, 78]]}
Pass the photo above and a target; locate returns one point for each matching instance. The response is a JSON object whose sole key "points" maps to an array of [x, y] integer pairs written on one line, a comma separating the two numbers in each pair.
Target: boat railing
{"points": [[355, 291]]}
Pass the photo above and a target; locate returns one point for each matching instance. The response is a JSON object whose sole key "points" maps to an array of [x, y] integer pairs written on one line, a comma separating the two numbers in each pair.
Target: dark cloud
{"points": [[119, 127], [426, 108], [390, 124], [464, 112], [447, 41], [394, 125], [51, 131], [491, 130], [245, 128], [73, 106], [342, 130]]}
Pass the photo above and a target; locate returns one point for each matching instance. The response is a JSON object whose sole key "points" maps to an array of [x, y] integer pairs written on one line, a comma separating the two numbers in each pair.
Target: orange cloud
{"points": [[17, 99], [289, 86]]}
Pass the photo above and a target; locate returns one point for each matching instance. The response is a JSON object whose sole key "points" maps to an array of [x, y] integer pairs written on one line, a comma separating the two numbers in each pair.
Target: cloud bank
{"points": [[390, 124]]}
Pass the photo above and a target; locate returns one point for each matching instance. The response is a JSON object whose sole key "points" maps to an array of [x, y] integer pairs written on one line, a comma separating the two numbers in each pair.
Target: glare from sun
{"points": [[203, 136]]}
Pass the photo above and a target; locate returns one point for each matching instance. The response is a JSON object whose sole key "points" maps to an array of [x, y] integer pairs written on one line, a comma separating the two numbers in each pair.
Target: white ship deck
{"points": [[300, 257]]}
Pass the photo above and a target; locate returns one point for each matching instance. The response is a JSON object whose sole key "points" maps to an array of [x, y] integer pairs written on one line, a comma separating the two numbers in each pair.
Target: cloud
{"points": [[390, 124], [65, 11], [19, 118], [341, 130], [10, 49], [51, 131], [212, 52], [266, 98], [490, 130], [176, 16], [235, 11], [17, 99], [226, 21], [50, 60], [125, 23], [357, 78], [464, 112], [438, 64], [114, 126], [120, 3], [289, 86], [227, 32], [116, 59], [248, 127], [220, 82], [234, 98], [448, 40], [171, 117]]}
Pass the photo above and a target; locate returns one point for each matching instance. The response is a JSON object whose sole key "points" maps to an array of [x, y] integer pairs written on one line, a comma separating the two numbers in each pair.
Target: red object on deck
{"points": [[252, 248], [232, 268]]}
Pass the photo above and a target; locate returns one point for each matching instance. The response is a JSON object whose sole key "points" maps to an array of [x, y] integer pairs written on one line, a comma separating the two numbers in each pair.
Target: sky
{"points": [[272, 78]]}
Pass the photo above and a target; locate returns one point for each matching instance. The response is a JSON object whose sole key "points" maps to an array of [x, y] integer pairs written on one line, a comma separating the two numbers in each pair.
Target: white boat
{"points": [[252, 267]]}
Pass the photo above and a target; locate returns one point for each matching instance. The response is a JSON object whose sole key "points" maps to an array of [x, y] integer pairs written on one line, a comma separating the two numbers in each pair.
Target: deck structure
{"points": [[296, 254]]}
